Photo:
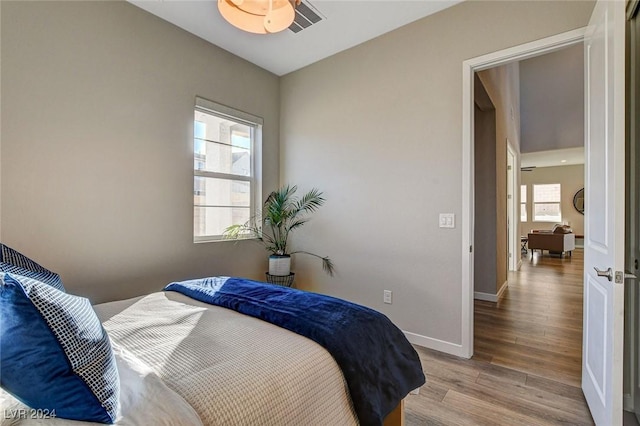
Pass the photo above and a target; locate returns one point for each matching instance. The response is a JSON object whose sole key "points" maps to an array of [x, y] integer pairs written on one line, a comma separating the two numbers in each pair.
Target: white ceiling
{"points": [[347, 23]]}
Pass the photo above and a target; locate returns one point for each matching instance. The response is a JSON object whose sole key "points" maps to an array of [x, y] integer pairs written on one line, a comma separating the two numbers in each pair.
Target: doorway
{"points": [[470, 67], [536, 326], [604, 222]]}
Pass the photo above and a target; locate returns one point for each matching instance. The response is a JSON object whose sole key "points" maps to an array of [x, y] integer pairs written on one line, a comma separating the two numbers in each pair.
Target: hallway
{"points": [[527, 363], [536, 327]]}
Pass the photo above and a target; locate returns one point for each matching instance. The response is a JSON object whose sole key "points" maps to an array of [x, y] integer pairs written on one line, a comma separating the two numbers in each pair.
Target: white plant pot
{"points": [[279, 265]]}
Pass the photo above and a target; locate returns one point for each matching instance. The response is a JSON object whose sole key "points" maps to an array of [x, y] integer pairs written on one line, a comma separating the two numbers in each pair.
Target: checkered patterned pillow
{"points": [[54, 352], [17, 263]]}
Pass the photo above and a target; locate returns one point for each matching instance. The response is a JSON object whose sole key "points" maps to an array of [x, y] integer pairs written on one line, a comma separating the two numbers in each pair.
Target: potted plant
{"points": [[282, 213]]}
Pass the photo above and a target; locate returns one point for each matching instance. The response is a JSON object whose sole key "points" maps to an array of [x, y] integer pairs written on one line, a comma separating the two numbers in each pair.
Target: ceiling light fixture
{"points": [[563, 161], [259, 16]]}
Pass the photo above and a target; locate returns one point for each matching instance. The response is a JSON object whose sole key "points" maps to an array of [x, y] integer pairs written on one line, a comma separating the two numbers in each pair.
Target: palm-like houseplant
{"points": [[282, 213]]}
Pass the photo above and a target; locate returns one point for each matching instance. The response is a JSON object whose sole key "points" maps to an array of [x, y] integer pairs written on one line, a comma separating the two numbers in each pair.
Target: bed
{"points": [[182, 361]]}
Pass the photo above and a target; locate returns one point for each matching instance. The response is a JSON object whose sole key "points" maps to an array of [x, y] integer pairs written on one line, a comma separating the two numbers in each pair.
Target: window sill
{"points": [[219, 239]]}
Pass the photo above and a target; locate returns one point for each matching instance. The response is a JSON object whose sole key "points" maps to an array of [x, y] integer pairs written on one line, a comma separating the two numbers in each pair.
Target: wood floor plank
{"points": [[494, 414], [551, 344], [529, 407], [574, 409], [526, 368], [417, 413]]}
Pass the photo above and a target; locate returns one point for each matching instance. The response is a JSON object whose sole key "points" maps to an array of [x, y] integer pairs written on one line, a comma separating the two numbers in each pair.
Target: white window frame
{"points": [[534, 202], [255, 177], [523, 204]]}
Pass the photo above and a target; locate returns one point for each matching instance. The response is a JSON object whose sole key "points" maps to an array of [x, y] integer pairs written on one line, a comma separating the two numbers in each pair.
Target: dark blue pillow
{"points": [[17, 263], [54, 352]]}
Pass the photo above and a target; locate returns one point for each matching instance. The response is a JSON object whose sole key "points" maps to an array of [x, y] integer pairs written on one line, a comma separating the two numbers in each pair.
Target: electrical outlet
{"points": [[387, 297]]}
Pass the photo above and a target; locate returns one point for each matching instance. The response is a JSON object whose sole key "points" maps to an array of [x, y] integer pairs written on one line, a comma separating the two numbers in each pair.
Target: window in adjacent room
{"points": [[523, 203], [226, 161], [546, 203]]}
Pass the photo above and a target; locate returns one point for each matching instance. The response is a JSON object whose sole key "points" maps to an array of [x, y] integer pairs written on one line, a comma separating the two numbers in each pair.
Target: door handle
{"points": [[629, 276], [608, 273]]}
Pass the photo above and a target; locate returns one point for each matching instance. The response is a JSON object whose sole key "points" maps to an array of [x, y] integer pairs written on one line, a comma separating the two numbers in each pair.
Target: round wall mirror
{"points": [[578, 201]]}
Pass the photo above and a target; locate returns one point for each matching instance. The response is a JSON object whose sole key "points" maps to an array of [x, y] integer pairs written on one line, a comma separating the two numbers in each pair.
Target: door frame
{"points": [[469, 67], [631, 396], [514, 257]]}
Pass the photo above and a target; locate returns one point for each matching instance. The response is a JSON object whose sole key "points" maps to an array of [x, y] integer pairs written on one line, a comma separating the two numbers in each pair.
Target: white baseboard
{"points": [[502, 289], [490, 297], [436, 344]]}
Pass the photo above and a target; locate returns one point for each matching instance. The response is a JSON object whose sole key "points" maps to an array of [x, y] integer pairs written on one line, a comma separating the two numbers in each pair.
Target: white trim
{"points": [[469, 67], [255, 125], [435, 344], [514, 247], [488, 297], [228, 112], [468, 213]]}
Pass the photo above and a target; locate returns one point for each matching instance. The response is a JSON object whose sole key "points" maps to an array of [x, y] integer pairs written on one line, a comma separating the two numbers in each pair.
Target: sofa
{"points": [[559, 240]]}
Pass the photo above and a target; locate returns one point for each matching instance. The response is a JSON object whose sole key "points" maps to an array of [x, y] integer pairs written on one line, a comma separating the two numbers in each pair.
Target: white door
{"points": [[603, 327]]}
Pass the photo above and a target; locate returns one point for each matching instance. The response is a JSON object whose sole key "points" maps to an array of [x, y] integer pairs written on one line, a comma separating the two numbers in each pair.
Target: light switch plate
{"points": [[447, 220]]}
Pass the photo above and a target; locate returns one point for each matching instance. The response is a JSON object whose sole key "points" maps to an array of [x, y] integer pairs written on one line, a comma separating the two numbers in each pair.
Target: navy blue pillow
{"points": [[15, 262], [54, 353]]}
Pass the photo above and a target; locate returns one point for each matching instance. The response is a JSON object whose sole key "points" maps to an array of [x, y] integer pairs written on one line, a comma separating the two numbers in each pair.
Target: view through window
{"points": [[546, 203], [224, 186], [523, 203]]}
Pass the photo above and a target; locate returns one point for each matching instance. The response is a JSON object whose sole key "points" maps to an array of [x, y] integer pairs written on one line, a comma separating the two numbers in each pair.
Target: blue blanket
{"points": [[379, 364]]}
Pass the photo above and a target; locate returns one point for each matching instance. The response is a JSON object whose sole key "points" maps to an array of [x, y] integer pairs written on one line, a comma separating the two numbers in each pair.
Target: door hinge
{"points": [[470, 249]]}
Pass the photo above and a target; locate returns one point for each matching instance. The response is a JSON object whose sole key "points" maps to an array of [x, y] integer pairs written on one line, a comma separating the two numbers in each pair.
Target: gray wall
{"points": [[97, 144], [97, 155], [484, 267], [0, 130], [502, 85], [379, 129], [571, 180], [485, 270]]}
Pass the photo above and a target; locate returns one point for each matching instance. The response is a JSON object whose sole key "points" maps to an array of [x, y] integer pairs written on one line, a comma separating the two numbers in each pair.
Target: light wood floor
{"points": [[527, 364]]}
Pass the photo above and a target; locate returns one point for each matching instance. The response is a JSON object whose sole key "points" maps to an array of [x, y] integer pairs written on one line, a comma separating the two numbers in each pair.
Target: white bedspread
{"points": [[145, 400], [231, 368]]}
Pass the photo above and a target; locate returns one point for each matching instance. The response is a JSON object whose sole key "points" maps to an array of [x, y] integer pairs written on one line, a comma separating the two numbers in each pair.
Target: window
{"points": [[523, 203], [225, 183], [546, 203]]}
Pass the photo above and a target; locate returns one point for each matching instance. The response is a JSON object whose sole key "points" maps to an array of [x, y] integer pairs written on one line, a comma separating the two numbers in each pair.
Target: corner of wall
{"points": [[0, 125]]}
